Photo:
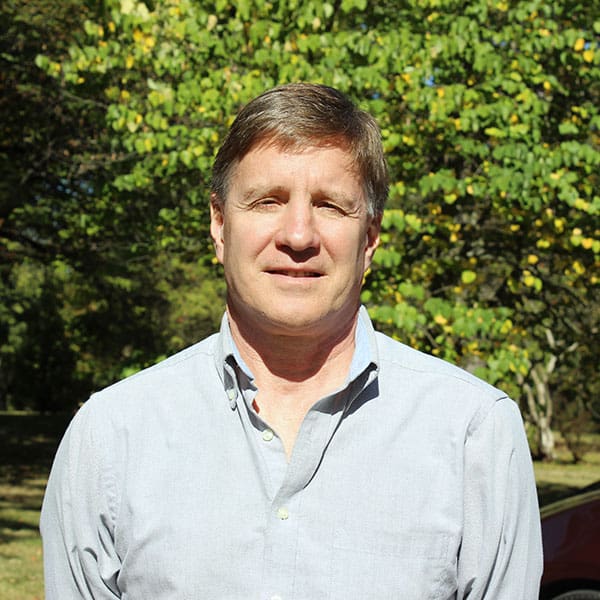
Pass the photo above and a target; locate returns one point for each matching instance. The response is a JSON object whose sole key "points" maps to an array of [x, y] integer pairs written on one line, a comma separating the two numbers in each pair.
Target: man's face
{"points": [[295, 240]]}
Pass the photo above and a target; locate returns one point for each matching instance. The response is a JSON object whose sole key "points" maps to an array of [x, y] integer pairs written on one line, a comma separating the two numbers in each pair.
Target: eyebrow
{"points": [[263, 190], [279, 190]]}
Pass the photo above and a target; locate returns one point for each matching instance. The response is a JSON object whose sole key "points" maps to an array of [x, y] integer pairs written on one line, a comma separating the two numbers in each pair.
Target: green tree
{"points": [[489, 113], [92, 312], [498, 163]]}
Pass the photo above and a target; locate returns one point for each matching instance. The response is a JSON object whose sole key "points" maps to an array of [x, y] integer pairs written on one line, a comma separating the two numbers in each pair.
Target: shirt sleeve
{"points": [[501, 551], [78, 516]]}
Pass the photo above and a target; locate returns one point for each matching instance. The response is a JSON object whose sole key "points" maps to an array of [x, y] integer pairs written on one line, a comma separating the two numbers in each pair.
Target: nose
{"points": [[298, 229]]}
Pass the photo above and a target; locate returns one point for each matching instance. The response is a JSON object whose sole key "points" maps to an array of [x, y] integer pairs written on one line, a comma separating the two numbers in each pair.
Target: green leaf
{"points": [[468, 276]]}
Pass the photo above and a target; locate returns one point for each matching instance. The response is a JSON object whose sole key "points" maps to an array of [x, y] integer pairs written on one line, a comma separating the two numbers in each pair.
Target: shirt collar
{"points": [[365, 358], [225, 360]]}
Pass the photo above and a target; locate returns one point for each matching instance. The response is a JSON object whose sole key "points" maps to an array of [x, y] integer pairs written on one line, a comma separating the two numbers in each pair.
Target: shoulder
{"points": [[394, 354], [174, 380], [177, 365], [153, 409], [429, 380]]}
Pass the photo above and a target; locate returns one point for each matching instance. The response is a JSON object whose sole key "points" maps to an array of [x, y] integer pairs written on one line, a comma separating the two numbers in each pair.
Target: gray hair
{"points": [[295, 115]]}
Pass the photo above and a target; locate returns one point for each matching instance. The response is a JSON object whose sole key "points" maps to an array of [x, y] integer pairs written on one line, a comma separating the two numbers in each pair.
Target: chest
{"points": [[356, 513]]}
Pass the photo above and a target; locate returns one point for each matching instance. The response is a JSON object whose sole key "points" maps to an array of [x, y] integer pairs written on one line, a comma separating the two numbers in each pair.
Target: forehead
{"points": [[324, 163]]}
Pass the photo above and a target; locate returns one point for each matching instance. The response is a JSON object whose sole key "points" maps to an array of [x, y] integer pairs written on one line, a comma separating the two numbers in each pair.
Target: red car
{"points": [[571, 536]]}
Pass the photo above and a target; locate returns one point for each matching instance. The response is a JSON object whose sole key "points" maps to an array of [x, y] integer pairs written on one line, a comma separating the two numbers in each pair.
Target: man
{"points": [[297, 454]]}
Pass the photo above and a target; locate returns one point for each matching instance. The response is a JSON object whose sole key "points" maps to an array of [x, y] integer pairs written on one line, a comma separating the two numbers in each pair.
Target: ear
{"points": [[372, 242], [217, 222]]}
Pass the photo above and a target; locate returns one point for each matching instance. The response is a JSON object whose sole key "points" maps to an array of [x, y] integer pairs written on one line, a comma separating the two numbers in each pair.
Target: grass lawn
{"points": [[27, 446], [562, 478]]}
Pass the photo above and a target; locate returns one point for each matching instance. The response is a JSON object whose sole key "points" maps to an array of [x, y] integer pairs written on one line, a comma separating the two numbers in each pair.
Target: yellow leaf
{"points": [[532, 259], [440, 319], [127, 6], [588, 56], [149, 43], [211, 22], [579, 45], [587, 243]]}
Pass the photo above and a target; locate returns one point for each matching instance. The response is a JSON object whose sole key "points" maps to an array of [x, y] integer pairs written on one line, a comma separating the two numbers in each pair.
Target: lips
{"points": [[294, 273]]}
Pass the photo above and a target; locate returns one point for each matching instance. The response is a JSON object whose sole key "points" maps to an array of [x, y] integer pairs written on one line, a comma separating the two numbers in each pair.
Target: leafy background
{"points": [[111, 113]]}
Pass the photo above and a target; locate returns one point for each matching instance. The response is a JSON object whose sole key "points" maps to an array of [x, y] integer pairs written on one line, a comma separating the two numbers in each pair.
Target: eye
{"points": [[331, 207], [265, 203]]}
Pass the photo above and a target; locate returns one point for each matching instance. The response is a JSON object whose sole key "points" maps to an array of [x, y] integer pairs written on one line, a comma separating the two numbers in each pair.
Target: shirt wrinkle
{"points": [[482, 415]]}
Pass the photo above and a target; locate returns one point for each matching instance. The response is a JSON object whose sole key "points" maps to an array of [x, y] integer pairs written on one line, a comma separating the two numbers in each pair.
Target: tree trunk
{"points": [[540, 408]]}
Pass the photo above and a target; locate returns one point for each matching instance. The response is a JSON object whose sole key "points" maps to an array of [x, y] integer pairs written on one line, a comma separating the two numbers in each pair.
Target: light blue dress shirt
{"points": [[414, 481]]}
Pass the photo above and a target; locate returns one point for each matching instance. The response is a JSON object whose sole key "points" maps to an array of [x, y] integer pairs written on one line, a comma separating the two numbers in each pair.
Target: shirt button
{"points": [[282, 513], [267, 435]]}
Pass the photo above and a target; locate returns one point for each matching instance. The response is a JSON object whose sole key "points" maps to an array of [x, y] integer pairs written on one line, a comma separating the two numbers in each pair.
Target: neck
{"points": [[295, 359], [292, 372]]}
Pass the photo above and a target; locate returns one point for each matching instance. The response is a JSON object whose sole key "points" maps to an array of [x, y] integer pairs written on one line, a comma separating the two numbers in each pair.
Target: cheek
{"points": [[351, 256], [242, 243]]}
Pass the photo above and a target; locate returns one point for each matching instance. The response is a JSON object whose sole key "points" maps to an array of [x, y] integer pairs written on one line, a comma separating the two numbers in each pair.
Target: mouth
{"points": [[294, 273]]}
